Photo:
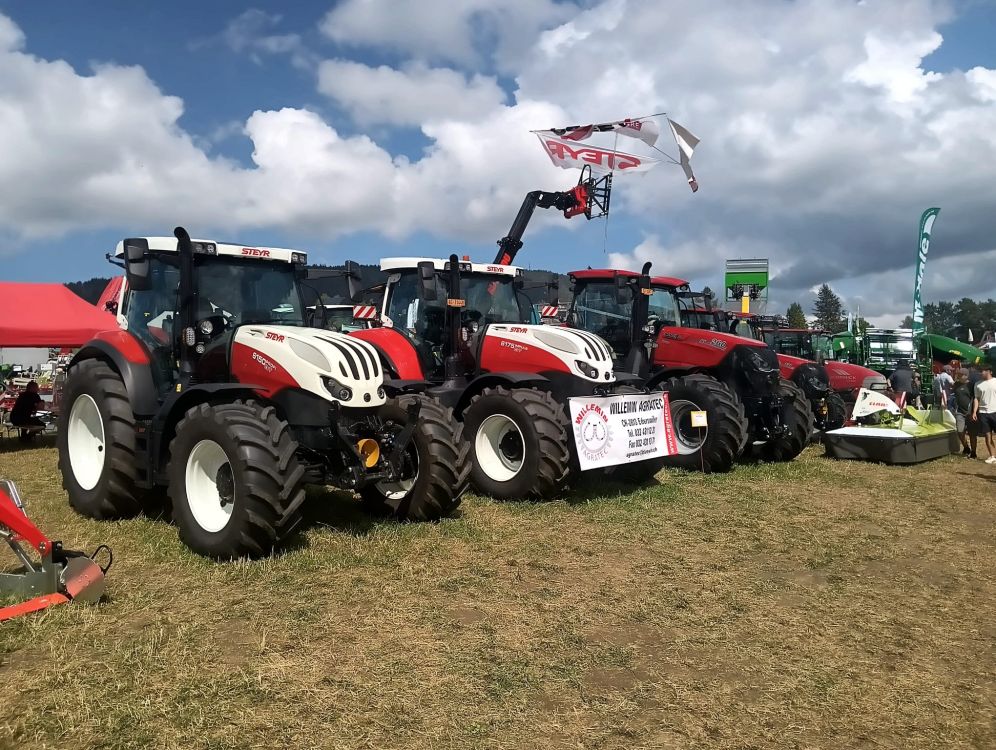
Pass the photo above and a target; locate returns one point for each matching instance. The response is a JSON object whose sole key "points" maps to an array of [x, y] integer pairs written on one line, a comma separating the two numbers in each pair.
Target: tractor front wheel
{"points": [[235, 481], [435, 469], [797, 416], [519, 443], [836, 412], [96, 443]]}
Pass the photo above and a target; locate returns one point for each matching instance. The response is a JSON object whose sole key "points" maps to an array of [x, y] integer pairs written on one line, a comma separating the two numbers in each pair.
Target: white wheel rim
{"points": [[398, 489], [496, 435], [689, 439], [86, 442], [210, 486]]}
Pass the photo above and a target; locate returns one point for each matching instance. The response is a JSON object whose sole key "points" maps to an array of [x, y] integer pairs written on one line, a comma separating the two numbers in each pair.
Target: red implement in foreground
{"points": [[57, 577]]}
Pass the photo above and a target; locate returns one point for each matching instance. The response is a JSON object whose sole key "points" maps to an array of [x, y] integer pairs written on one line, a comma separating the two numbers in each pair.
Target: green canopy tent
{"points": [[943, 349]]}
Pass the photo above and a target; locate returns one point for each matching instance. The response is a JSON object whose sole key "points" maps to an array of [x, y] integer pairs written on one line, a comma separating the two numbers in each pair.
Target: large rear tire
{"points": [[519, 443], [797, 415], [714, 448], [436, 466], [235, 481], [96, 443]]}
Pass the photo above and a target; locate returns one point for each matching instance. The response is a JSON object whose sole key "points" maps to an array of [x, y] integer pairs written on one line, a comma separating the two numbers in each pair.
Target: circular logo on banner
{"points": [[592, 431]]}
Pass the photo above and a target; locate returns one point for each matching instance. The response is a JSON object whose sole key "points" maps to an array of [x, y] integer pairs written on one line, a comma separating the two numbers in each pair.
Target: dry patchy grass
{"points": [[809, 605]]}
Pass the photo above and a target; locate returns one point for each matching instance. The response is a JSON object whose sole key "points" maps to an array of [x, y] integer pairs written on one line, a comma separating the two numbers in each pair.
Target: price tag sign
{"points": [[699, 419]]}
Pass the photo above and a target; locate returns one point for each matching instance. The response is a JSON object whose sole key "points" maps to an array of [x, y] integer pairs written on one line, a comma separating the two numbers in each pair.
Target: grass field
{"points": [[808, 605]]}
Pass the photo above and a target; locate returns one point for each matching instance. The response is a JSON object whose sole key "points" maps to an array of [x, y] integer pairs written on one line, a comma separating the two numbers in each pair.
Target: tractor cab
{"points": [[698, 311], [417, 301], [235, 285]]}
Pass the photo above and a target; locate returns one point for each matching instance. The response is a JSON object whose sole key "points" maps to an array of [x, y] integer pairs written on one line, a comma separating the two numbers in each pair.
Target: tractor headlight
{"points": [[206, 327], [381, 393], [586, 369], [337, 390]]}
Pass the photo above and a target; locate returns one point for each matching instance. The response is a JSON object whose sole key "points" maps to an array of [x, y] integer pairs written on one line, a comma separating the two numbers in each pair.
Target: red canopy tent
{"points": [[37, 315], [111, 292]]}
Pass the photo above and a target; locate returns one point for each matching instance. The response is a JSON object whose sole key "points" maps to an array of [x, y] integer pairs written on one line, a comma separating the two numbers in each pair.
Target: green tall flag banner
{"points": [[926, 225]]}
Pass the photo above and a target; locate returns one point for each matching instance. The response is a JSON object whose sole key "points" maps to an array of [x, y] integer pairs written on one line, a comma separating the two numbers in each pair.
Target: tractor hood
{"points": [[847, 377], [540, 348], [844, 377], [332, 365]]}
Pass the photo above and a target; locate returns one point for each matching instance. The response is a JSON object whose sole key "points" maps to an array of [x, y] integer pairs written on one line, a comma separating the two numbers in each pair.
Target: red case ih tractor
{"points": [[812, 377], [796, 347], [467, 328], [735, 380], [217, 390]]}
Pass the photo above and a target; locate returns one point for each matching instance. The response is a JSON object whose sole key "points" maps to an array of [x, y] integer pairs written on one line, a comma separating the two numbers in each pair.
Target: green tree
{"points": [[941, 317], [863, 325], [829, 310], [796, 316], [907, 322]]}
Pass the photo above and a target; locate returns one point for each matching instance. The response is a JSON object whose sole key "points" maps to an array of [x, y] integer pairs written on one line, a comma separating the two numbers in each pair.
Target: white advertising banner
{"points": [[569, 154], [613, 430]]}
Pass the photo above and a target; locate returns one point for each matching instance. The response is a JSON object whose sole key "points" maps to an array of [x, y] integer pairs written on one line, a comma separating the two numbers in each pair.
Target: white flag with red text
{"points": [[570, 154]]}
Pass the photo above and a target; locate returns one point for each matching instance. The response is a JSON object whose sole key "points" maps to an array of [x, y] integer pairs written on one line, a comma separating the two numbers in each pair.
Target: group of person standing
{"points": [[968, 393]]}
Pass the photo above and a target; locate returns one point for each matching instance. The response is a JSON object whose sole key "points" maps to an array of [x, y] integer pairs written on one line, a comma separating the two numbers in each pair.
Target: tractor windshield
{"points": [[597, 308], [792, 343], [494, 299], [248, 291]]}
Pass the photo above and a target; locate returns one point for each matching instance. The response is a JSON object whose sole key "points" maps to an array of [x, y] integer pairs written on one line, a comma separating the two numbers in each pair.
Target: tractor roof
{"points": [[594, 274], [210, 247], [401, 264]]}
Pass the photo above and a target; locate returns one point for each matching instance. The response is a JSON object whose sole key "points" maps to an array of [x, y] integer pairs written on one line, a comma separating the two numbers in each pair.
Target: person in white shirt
{"points": [[984, 411]]}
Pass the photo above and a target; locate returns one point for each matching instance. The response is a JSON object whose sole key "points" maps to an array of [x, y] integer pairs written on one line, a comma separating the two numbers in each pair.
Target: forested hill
{"points": [[90, 290]]}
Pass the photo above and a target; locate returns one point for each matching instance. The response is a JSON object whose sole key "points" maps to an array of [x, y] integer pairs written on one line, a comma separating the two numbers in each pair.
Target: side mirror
{"points": [[553, 291], [352, 271], [623, 294], [137, 266], [427, 281]]}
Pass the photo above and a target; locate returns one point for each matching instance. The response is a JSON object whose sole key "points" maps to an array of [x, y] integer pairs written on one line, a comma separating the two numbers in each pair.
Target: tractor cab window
{"points": [[663, 309], [598, 310], [248, 291], [494, 299], [150, 313], [744, 329]]}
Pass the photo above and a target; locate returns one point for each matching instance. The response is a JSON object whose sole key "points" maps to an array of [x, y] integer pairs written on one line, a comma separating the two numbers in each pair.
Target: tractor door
{"points": [[149, 315], [419, 318]]}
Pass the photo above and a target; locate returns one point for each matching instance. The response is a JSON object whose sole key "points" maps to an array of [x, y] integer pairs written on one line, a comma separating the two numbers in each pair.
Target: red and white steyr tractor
{"points": [[469, 329], [217, 389]]}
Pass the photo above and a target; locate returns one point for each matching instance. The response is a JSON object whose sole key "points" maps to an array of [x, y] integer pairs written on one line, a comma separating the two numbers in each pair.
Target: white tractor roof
{"points": [[399, 264], [168, 244]]}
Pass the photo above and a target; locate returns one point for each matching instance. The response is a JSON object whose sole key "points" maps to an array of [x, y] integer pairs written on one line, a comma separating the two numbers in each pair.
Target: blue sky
{"points": [[227, 60]]}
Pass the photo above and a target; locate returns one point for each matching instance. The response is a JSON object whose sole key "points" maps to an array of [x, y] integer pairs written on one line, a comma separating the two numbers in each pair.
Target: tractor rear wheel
{"points": [[519, 443], [235, 481], [797, 415], [435, 468], [714, 447], [96, 443]]}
